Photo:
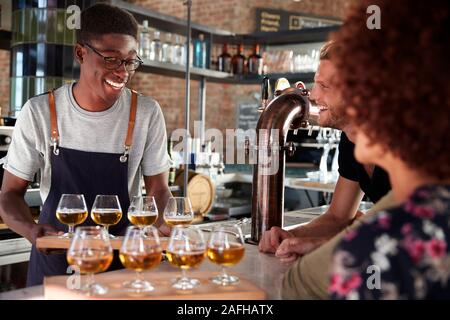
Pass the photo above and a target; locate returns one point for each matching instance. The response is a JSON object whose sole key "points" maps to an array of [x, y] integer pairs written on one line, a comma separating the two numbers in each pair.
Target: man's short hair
{"points": [[328, 50], [103, 18]]}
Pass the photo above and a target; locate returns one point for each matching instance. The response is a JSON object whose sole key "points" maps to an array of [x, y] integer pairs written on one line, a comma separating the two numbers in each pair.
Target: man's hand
{"points": [[271, 239], [164, 230], [41, 230], [293, 248]]}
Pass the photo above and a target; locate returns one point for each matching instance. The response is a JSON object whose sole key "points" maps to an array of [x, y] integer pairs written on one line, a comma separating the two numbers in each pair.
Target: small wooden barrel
{"points": [[200, 191]]}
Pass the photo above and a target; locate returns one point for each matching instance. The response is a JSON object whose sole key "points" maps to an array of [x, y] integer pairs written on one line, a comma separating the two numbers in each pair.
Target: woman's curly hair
{"points": [[395, 80]]}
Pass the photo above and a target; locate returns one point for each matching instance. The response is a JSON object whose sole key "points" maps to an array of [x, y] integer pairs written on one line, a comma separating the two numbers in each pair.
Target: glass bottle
{"points": [[255, 61], [224, 61], [184, 53], [144, 41], [167, 48], [177, 51], [156, 47], [238, 61], [200, 52], [173, 169]]}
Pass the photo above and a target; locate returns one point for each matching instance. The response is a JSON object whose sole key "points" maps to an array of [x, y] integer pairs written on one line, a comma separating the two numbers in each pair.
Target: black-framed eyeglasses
{"points": [[114, 63]]}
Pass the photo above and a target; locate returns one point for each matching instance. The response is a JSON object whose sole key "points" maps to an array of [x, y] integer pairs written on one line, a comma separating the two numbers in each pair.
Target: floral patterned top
{"points": [[401, 253]]}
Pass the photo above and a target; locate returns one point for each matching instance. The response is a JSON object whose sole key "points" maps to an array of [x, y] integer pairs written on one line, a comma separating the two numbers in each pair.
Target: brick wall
{"points": [[4, 81], [234, 15]]}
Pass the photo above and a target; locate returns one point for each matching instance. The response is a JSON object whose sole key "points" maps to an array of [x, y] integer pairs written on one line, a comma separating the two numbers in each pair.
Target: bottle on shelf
{"points": [[238, 61], [224, 60], [144, 41], [184, 53], [156, 47], [255, 61], [173, 169], [200, 52], [167, 48], [177, 51]]}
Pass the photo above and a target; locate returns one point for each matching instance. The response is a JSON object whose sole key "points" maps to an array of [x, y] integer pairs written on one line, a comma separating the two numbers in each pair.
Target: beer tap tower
{"points": [[289, 110]]}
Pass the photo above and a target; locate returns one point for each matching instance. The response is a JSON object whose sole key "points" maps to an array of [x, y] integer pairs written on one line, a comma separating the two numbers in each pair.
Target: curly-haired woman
{"points": [[397, 92]]}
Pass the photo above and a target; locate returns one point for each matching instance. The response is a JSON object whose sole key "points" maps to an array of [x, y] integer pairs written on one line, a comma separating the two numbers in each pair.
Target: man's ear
{"points": [[80, 51]]}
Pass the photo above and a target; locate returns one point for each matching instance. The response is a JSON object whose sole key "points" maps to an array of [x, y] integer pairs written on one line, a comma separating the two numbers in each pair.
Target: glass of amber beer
{"points": [[178, 211], [91, 252], [106, 211], [143, 211], [141, 250], [186, 250], [71, 210], [226, 248]]}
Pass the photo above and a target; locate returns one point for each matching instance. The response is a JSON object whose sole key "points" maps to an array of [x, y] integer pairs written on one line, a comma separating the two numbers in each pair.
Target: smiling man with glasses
{"points": [[94, 136]]}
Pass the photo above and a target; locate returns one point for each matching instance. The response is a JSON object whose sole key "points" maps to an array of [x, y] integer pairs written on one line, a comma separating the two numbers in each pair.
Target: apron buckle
{"points": [[124, 157], [55, 146]]}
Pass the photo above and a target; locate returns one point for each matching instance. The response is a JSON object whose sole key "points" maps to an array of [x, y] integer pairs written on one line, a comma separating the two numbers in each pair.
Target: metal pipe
{"points": [[202, 108], [187, 110], [290, 110]]}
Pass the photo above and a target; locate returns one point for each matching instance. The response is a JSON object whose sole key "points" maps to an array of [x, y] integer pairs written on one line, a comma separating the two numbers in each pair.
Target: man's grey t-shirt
{"points": [[82, 130]]}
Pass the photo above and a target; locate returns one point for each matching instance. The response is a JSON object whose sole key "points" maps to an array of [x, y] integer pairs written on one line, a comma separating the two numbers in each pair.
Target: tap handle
{"points": [[247, 146], [281, 85], [265, 93], [290, 148], [265, 88]]}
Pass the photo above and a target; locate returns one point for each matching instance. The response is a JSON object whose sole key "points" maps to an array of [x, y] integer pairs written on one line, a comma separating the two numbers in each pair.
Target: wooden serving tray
{"points": [[55, 288], [57, 242]]}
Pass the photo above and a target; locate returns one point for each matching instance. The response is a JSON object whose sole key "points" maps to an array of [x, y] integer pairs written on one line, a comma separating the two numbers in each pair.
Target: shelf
{"points": [[306, 77], [173, 70], [309, 35], [5, 40]]}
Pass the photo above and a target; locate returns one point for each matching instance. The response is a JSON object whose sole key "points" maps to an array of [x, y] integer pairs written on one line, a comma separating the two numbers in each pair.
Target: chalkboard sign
{"points": [[272, 20], [247, 115]]}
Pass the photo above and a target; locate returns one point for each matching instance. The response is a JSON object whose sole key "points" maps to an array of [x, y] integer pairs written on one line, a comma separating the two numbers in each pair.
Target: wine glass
{"points": [[106, 211], [226, 248], [178, 211], [71, 210], [143, 211], [141, 250], [91, 251], [186, 250]]}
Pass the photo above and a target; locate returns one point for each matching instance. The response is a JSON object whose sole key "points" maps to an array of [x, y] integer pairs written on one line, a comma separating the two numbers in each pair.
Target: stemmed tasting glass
{"points": [[178, 211], [143, 211], [91, 251], [71, 210], [106, 211], [186, 250], [141, 250], [226, 248]]}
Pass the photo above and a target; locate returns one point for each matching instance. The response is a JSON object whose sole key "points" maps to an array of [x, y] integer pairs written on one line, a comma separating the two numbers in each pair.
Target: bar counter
{"points": [[263, 270]]}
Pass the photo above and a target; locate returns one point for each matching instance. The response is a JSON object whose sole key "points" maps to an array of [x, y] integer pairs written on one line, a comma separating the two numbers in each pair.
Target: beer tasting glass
{"points": [[186, 250], [106, 211], [142, 211], [178, 211], [71, 210], [91, 251], [141, 250], [226, 248]]}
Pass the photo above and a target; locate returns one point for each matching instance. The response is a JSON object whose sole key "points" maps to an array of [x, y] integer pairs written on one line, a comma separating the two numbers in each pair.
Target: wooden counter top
{"points": [[263, 270]]}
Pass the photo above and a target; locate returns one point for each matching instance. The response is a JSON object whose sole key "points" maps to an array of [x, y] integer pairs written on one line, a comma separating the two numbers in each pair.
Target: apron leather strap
{"points": [[53, 122], [132, 119], [131, 122]]}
